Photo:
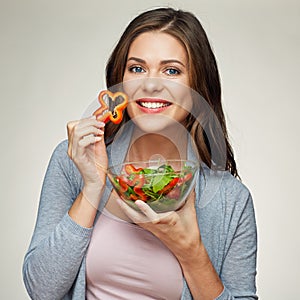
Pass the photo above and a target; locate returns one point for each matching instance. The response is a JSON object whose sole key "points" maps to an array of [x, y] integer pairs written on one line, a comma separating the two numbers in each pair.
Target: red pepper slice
{"points": [[188, 177], [136, 183], [134, 197], [129, 168], [123, 185], [138, 180], [140, 194], [169, 186], [185, 178]]}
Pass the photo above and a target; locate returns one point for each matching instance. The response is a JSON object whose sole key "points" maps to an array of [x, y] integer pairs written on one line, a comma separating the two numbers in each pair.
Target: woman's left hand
{"points": [[178, 230]]}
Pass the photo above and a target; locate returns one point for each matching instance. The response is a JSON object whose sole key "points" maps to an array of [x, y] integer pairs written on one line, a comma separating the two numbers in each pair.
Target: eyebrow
{"points": [[163, 62]]}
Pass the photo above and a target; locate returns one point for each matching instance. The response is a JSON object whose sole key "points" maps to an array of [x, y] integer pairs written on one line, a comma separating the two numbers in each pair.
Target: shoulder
{"points": [[61, 165], [59, 157], [61, 150], [233, 186], [224, 188]]}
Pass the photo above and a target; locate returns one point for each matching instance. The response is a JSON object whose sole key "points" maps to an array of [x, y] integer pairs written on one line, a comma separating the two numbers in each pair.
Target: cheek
{"points": [[130, 110], [130, 87], [181, 115], [183, 98], [126, 76]]}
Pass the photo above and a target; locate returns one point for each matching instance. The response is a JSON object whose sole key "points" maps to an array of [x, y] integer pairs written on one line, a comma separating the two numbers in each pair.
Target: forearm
{"points": [[52, 264], [202, 279], [84, 209]]}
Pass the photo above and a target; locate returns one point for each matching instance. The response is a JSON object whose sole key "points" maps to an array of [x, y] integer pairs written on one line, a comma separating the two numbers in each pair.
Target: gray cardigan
{"points": [[54, 265]]}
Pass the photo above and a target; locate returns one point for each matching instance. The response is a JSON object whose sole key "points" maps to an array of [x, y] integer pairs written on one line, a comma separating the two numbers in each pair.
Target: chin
{"points": [[150, 124], [155, 123]]}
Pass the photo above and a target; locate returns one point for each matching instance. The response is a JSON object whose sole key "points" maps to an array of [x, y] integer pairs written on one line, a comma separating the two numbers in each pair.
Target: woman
{"points": [[88, 243]]}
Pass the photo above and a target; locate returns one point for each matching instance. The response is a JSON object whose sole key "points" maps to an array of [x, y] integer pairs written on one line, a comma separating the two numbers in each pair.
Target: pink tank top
{"points": [[124, 261]]}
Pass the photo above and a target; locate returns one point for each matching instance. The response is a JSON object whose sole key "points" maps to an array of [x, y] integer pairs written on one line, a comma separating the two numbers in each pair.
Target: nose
{"points": [[152, 85]]}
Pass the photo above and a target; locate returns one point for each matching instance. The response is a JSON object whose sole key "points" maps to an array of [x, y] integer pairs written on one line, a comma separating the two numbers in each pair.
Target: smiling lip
{"points": [[152, 105]]}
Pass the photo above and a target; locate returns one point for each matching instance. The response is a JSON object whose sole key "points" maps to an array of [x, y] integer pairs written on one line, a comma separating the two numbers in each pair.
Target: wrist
{"points": [[92, 194], [200, 274], [83, 211], [93, 188], [191, 253]]}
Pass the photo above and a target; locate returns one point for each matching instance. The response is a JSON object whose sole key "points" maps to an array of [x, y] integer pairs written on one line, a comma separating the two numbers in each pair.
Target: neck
{"points": [[168, 144]]}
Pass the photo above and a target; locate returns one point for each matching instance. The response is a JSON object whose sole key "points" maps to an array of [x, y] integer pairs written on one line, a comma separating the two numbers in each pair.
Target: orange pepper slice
{"points": [[104, 114]]}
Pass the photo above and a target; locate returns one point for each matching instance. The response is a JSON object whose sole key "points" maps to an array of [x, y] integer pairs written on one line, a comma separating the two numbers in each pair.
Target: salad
{"points": [[161, 187]]}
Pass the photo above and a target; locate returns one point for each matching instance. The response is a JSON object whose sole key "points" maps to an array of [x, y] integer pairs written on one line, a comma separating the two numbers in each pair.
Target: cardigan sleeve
{"points": [[58, 244], [238, 270]]}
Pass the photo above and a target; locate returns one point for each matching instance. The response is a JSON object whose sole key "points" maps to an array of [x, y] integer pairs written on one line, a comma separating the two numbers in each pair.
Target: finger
{"points": [[90, 122], [70, 151], [80, 132], [71, 125], [70, 129], [151, 215], [79, 128], [89, 140], [86, 131], [134, 215], [75, 127]]}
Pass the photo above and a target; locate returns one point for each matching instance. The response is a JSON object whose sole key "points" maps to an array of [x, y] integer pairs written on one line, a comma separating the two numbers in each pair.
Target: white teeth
{"points": [[153, 104]]}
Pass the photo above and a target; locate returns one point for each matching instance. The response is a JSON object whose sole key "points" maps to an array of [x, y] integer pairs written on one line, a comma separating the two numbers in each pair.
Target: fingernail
{"points": [[139, 202], [119, 201]]}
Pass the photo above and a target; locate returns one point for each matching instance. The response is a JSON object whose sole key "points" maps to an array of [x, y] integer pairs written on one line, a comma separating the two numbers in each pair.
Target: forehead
{"points": [[157, 44]]}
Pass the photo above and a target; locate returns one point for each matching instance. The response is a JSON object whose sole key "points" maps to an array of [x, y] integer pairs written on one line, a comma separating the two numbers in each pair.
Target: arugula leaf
{"points": [[149, 171], [159, 182]]}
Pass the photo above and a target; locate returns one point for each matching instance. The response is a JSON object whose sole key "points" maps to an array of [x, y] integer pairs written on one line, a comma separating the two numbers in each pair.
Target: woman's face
{"points": [[156, 80]]}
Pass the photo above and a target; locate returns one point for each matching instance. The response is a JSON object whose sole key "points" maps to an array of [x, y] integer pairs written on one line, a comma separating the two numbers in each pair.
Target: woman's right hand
{"points": [[88, 151]]}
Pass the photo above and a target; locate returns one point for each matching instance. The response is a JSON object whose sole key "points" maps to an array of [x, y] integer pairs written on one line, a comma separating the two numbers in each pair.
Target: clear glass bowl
{"points": [[163, 185]]}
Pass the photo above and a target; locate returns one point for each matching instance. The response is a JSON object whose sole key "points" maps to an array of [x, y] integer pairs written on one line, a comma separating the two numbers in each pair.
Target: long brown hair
{"points": [[211, 138]]}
